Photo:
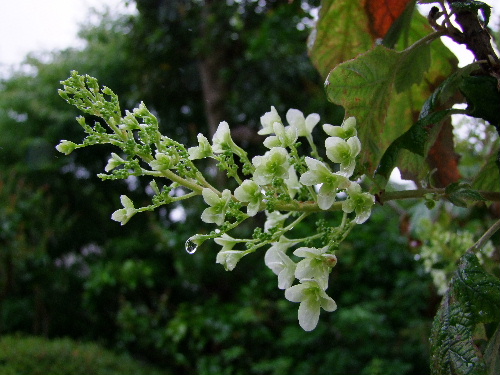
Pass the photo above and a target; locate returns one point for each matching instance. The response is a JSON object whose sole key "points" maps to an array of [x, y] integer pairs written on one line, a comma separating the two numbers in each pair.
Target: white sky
{"points": [[44, 25]]}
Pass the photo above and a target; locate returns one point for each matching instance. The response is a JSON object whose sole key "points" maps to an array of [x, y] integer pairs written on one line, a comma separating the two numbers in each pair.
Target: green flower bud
{"points": [[202, 151], [66, 147], [124, 214]]}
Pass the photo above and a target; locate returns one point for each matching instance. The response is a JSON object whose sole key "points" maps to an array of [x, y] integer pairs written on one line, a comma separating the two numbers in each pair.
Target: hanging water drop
{"points": [[191, 247]]}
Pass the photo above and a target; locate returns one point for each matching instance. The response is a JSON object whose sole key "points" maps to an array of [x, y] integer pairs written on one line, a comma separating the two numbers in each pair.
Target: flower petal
{"points": [[309, 314]]}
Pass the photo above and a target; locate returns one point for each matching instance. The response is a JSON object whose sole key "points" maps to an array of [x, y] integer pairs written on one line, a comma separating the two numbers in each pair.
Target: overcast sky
{"points": [[44, 25]]}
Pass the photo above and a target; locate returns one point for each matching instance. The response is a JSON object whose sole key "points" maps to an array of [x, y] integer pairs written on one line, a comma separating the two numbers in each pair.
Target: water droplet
{"points": [[191, 247]]}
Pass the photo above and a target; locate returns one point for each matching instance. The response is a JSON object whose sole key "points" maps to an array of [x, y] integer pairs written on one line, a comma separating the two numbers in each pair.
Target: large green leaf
{"points": [[473, 298], [380, 89]]}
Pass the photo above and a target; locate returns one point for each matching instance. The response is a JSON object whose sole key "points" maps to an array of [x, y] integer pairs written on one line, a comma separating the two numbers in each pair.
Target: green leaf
{"points": [[477, 289], [459, 193], [452, 348], [447, 89], [492, 353], [420, 137], [483, 98], [488, 178]]}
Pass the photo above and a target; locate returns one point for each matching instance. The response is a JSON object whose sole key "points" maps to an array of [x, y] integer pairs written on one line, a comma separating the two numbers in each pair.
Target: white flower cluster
{"points": [[342, 147]]}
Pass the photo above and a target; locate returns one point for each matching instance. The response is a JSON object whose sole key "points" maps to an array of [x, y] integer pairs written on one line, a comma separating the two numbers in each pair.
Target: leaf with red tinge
{"points": [[346, 28], [383, 13]]}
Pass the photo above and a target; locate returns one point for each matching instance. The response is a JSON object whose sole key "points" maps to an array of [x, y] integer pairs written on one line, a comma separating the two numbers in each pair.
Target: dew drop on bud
{"points": [[191, 247]]}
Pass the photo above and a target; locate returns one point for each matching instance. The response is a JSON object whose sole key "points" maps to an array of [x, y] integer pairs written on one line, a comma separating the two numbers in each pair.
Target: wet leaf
{"points": [[477, 289], [473, 298], [452, 348]]}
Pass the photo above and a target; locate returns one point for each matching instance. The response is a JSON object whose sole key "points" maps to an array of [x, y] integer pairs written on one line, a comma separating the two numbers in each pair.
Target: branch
{"points": [[485, 238], [476, 38], [421, 193]]}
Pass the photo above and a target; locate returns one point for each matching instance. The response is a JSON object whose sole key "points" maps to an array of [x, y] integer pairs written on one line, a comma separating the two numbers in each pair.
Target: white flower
{"points": [[359, 202], [221, 141], [280, 263], [202, 151], [275, 219], [164, 161], [113, 162], [268, 120], [216, 213], [226, 241], [292, 182], [273, 164], [319, 173], [312, 298], [317, 264], [345, 131], [249, 192], [284, 137], [343, 152], [303, 125], [229, 258], [66, 147]]}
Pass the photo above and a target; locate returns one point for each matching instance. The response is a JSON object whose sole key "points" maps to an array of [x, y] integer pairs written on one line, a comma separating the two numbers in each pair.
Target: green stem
{"points": [[408, 194], [311, 206], [485, 238], [294, 223], [427, 39], [314, 150], [182, 181]]}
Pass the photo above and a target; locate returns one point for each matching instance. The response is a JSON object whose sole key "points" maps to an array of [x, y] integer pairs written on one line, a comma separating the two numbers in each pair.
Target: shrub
{"points": [[41, 356]]}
